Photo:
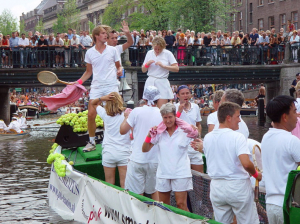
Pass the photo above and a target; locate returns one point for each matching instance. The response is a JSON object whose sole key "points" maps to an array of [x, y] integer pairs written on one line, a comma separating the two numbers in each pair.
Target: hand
{"points": [[125, 27], [259, 177], [194, 127], [127, 112], [197, 144], [108, 97], [160, 64], [120, 72], [72, 83], [180, 108], [150, 62]]}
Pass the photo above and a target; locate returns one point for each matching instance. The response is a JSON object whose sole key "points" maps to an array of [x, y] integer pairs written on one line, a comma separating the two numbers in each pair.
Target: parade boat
{"points": [[8, 136], [77, 190], [44, 113], [32, 112]]}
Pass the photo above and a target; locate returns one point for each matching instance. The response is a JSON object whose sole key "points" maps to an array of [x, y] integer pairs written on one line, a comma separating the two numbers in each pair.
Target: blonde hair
{"points": [[159, 41], [98, 29], [115, 106]]}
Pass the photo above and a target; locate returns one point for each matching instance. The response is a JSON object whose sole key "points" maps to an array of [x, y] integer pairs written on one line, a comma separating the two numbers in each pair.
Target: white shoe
{"points": [[89, 147]]}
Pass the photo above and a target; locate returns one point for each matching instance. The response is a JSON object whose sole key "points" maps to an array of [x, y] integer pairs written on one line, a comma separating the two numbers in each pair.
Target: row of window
{"points": [[259, 2]]}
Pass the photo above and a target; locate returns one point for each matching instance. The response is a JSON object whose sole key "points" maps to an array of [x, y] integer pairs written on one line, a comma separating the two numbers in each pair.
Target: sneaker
{"points": [[89, 147]]}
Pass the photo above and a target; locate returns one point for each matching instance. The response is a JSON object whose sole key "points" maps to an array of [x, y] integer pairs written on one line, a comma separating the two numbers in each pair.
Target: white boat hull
{"points": [[13, 136]]}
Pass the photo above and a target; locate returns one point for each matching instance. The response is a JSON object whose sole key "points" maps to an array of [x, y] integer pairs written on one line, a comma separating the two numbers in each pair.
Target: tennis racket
{"points": [[256, 155], [49, 78]]}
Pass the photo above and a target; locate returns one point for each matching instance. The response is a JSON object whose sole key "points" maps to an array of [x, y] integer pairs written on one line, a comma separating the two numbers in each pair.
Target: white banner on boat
{"points": [[64, 192], [100, 203]]}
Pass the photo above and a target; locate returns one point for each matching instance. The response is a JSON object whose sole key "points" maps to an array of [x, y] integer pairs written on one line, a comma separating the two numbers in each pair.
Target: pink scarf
{"points": [[186, 127]]}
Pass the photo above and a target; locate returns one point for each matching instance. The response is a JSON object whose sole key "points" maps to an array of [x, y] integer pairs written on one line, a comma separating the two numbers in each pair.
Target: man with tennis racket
{"points": [[229, 166], [103, 61], [280, 153]]}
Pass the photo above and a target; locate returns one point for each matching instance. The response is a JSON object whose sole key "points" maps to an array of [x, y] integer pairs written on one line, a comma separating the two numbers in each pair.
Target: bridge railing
{"points": [[217, 55], [192, 55], [33, 57]]}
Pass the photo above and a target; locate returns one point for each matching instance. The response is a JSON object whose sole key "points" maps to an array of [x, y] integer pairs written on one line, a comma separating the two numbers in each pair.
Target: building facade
{"points": [[264, 14], [90, 11]]}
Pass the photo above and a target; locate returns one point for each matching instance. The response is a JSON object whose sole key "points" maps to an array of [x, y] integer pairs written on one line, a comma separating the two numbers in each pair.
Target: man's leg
{"points": [[122, 175], [91, 128], [181, 200], [161, 102], [109, 174], [165, 197], [275, 214]]}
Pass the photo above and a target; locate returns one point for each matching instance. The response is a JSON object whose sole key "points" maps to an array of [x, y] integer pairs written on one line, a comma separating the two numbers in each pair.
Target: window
{"points": [[260, 24], [271, 22], [295, 19], [282, 19], [240, 16], [233, 21], [251, 13], [260, 2], [270, 1], [234, 2], [135, 8]]}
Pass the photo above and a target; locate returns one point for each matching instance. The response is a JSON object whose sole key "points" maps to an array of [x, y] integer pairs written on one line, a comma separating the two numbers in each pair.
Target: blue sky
{"points": [[19, 6]]}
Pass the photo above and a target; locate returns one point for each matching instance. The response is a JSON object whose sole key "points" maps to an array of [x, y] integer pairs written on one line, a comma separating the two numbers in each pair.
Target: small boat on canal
{"points": [[8, 136], [31, 112]]}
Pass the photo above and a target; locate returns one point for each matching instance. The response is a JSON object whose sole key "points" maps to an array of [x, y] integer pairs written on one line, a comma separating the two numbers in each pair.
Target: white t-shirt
{"points": [[212, 118], [3, 125], [297, 104], [192, 116], [173, 160], [119, 49], [222, 148], [22, 121], [104, 68], [15, 125], [165, 57], [112, 136], [280, 155], [243, 129], [141, 119]]}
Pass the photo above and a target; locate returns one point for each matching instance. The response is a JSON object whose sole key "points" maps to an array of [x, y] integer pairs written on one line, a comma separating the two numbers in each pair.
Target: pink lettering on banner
{"points": [[95, 215]]}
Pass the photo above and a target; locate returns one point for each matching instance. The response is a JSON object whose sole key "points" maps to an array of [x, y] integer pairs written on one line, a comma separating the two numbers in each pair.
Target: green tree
{"points": [[91, 26], [39, 26], [71, 14], [8, 23], [59, 26], [22, 27]]}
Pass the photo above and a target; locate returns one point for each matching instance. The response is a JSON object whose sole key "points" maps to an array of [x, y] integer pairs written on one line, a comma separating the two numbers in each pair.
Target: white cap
{"points": [[151, 93], [14, 118]]}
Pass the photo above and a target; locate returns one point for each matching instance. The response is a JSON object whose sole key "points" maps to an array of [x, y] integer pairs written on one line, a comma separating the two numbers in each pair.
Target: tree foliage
{"points": [[22, 27], [8, 23], [91, 26], [199, 15], [59, 26]]}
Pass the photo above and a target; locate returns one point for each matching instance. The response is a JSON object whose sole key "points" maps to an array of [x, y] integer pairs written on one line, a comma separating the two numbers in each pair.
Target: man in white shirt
{"points": [[212, 118], [85, 40], [142, 167], [190, 113], [103, 62], [229, 166], [23, 43], [22, 120], [14, 125], [280, 153], [234, 96], [75, 60], [3, 126]]}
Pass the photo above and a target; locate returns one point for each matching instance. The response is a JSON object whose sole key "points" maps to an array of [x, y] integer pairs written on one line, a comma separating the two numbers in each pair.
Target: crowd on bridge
{"points": [[189, 48]]}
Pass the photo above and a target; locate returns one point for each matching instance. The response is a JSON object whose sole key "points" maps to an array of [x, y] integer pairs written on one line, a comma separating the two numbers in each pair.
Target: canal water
{"points": [[24, 173]]}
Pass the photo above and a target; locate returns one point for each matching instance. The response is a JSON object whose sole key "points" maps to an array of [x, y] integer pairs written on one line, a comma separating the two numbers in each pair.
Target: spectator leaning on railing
{"points": [[13, 44], [294, 41], [5, 53], [23, 43]]}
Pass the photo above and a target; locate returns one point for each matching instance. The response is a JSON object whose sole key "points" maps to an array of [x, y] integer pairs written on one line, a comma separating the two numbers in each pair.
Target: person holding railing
{"points": [[226, 43], [58, 43], [5, 51], [182, 43], [23, 43], [294, 41], [67, 50], [214, 44], [273, 47], [33, 43], [42, 51], [263, 42], [75, 60]]}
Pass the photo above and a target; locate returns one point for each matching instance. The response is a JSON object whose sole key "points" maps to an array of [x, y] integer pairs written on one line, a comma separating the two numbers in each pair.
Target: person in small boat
{"points": [[280, 153], [229, 166], [174, 168], [142, 167], [14, 126], [22, 120], [3, 126], [116, 147], [190, 113]]}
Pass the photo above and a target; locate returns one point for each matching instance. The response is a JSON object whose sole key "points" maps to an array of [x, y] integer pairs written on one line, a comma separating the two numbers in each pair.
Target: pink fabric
{"points": [[296, 131], [128, 110], [186, 127], [68, 95]]}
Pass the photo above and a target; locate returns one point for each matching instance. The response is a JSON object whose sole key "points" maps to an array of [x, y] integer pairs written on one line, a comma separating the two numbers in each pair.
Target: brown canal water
{"points": [[24, 173]]}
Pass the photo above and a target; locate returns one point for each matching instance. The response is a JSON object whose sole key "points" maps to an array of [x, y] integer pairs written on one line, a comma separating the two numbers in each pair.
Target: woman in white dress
{"points": [[158, 63]]}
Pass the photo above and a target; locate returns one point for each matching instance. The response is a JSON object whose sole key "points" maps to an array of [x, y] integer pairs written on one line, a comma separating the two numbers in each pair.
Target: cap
{"points": [[151, 93], [15, 114], [20, 112], [14, 118]]}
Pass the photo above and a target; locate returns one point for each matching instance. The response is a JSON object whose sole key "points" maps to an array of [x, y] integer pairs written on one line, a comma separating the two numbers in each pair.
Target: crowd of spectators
{"points": [[68, 49]]}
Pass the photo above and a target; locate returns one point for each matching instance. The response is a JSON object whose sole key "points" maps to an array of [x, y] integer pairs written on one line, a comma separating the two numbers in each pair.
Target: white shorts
{"points": [[141, 177], [113, 158], [275, 214], [233, 197], [195, 156], [176, 185], [96, 93], [163, 85]]}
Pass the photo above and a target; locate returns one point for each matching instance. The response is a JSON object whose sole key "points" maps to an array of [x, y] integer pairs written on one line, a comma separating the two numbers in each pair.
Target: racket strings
{"points": [[47, 78]]}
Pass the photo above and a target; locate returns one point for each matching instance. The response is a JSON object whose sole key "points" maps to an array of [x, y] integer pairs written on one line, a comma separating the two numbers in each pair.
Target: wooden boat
{"points": [[206, 111], [5, 136], [44, 113], [32, 112], [249, 111]]}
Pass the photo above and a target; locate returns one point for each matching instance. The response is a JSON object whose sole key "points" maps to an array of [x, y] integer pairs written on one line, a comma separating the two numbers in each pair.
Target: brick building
{"points": [[264, 14]]}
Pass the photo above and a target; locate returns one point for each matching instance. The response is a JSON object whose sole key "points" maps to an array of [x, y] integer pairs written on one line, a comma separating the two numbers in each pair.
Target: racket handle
{"points": [[256, 191], [63, 82]]}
